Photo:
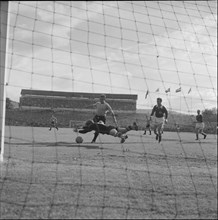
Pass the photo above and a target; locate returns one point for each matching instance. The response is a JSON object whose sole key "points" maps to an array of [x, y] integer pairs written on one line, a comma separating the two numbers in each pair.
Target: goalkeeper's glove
{"points": [[129, 128]]}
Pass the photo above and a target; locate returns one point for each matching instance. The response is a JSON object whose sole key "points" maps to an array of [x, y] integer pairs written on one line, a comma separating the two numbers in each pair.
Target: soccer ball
{"points": [[79, 139]]}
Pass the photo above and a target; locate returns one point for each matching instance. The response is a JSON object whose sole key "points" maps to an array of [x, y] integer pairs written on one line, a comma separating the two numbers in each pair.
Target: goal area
{"points": [[57, 58]]}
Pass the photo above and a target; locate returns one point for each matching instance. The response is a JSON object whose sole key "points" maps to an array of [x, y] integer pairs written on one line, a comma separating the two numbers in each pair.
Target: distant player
{"points": [[177, 127], [159, 117], [199, 127], [53, 122], [101, 128], [148, 126]]}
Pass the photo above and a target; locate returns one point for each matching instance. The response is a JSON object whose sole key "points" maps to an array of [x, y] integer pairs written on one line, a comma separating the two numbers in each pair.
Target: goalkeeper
{"points": [[100, 127]]}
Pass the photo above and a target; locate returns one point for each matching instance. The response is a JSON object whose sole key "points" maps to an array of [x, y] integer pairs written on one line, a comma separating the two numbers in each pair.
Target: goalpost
{"points": [[154, 49], [3, 40]]}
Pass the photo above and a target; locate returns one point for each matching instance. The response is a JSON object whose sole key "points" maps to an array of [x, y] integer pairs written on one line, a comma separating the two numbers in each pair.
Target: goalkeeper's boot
{"points": [[156, 136], [145, 132], [205, 136], [150, 132]]}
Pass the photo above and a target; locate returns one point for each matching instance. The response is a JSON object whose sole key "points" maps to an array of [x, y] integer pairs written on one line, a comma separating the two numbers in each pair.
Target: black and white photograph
{"points": [[108, 109]]}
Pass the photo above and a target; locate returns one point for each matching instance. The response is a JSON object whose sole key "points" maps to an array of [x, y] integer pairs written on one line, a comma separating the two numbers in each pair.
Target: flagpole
{"points": [[191, 103], [191, 99], [170, 103], [180, 98]]}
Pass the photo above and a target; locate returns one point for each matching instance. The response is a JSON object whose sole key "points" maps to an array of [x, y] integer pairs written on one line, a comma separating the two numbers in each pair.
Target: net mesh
{"points": [[150, 48]]}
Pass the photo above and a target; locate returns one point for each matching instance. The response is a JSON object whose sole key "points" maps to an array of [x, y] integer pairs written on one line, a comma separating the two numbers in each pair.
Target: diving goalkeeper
{"points": [[100, 127]]}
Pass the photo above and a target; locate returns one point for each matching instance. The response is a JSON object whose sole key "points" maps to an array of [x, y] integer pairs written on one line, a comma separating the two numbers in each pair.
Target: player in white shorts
{"points": [[199, 127], [158, 118]]}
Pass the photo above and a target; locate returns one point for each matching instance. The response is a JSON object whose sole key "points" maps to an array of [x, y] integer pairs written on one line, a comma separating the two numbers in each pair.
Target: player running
{"points": [[100, 127], [148, 126], [53, 122], [159, 119], [102, 107], [199, 127]]}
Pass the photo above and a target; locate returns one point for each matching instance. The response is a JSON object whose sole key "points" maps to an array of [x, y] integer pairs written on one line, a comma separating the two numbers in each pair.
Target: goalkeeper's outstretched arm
{"points": [[85, 130]]}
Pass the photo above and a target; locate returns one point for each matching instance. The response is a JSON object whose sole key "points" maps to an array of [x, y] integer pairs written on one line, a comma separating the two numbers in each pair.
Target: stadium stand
{"points": [[43, 99]]}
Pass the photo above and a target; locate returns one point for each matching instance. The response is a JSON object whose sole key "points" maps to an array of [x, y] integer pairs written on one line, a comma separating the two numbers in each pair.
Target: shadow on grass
{"points": [[53, 144]]}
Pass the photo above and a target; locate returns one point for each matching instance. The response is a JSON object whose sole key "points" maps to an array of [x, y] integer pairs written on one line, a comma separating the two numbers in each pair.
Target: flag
{"points": [[178, 90], [157, 90], [168, 90], [146, 95], [189, 90]]}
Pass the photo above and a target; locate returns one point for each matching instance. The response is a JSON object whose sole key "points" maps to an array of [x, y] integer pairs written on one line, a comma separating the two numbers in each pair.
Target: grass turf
{"points": [[45, 174]]}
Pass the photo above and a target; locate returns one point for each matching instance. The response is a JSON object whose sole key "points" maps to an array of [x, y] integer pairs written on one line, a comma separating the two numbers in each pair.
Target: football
{"points": [[79, 139]]}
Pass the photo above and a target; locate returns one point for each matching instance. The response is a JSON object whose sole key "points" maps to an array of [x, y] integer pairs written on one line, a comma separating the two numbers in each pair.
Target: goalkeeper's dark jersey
{"points": [[159, 111], [99, 128]]}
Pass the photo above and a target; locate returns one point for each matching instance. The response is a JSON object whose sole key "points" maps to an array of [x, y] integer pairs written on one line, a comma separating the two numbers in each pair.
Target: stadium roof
{"points": [[77, 94]]}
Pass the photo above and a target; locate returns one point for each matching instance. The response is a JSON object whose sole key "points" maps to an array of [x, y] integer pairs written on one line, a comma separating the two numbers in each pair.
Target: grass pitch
{"points": [[45, 174]]}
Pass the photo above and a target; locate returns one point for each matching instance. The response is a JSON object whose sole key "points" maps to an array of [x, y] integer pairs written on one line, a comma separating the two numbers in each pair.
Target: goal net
{"points": [[143, 49]]}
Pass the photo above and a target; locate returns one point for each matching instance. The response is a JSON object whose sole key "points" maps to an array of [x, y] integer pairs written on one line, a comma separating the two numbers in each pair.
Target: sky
{"points": [[120, 47]]}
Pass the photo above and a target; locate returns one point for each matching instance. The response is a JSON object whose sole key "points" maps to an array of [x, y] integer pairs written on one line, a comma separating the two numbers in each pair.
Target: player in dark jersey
{"points": [[100, 127], [159, 117], [199, 127]]}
